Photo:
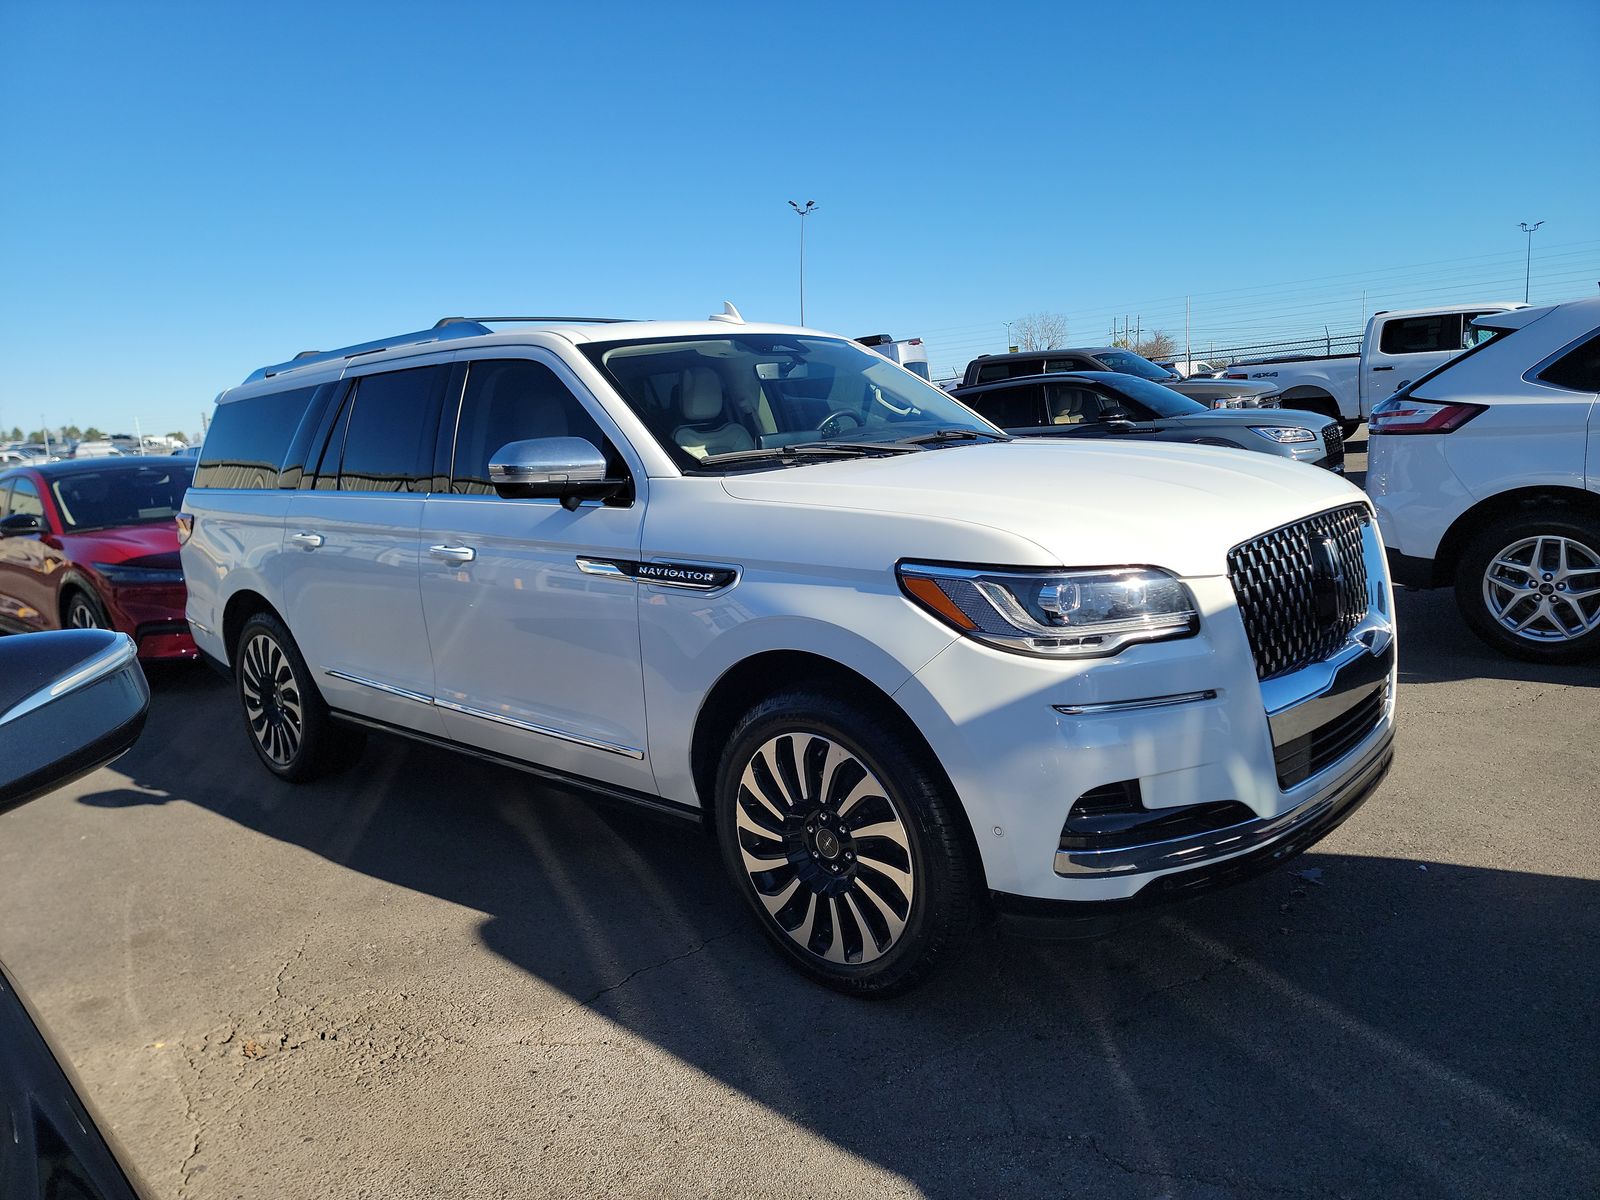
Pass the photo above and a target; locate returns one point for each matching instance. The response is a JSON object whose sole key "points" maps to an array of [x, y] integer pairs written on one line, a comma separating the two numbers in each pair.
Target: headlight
{"points": [[1227, 402], [1060, 614], [120, 574], [1284, 433]]}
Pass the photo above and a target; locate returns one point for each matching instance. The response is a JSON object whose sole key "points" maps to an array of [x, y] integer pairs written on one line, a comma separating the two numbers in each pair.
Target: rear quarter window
{"points": [[1578, 368], [249, 440]]}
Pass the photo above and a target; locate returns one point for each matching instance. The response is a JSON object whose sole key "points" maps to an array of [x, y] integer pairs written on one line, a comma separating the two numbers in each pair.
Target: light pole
{"points": [[1527, 266], [1008, 325], [811, 207]]}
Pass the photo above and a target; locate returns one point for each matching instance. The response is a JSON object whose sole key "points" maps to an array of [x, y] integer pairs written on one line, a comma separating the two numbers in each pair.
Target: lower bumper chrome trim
{"points": [[1214, 845], [1109, 706]]}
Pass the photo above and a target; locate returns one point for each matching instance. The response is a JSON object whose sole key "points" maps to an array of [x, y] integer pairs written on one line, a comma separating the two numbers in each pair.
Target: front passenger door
{"points": [[534, 656]]}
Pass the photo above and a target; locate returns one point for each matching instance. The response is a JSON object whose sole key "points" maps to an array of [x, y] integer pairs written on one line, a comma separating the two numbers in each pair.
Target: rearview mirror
{"points": [[69, 702], [1116, 416], [568, 469], [21, 524]]}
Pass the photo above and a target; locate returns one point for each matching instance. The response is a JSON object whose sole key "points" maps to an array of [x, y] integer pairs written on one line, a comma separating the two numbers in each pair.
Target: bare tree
{"points": [[1156, 345], [1040, 331]]}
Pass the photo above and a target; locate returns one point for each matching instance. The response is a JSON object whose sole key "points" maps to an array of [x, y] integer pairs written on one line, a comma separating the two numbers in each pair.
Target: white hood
{"points": [[1083, 504]]}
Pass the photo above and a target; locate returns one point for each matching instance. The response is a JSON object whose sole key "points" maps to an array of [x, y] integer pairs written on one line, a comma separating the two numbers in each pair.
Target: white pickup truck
{"points": [[1396, 348]]}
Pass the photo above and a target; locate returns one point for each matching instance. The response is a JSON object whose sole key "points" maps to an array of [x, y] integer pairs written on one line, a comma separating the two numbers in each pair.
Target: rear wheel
{"points": [[1530, 587], [289, 725], [845, 841]]}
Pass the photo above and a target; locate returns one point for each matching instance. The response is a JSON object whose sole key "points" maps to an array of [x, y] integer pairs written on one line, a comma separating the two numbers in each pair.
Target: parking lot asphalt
{"points": [[432, 976]]}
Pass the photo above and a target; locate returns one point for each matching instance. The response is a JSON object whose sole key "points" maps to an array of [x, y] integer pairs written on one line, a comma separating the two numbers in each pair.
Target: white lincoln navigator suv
{"points": [[910, 671]]}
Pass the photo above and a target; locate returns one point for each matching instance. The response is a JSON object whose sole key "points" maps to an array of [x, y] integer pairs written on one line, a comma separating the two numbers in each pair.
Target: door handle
{"points": [[453, 554], [1383, 368], [307, 541]]}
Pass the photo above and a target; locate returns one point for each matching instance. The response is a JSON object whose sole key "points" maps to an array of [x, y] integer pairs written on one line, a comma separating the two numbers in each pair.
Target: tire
{"points": [[804, 772], [287, 721], [84, 611], [1541, 570]]}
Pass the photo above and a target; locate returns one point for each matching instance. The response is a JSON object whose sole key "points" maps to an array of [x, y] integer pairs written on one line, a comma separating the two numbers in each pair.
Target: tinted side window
{"points": [[248, 439], [1422, 335], [1577, 369], [1052, 365], [513, 400], [1071, 405], [1011, 407], [391, 429]]}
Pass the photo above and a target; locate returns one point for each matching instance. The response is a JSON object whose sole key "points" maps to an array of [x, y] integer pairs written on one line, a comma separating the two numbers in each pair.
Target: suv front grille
{"points": [[1333, 445], [1301, 588]]}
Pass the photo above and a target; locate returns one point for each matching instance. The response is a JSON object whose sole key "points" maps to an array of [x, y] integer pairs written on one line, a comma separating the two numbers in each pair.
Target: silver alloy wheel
{"points": [[825, 847], [271, 699], [80, 614], [1545, 589]]}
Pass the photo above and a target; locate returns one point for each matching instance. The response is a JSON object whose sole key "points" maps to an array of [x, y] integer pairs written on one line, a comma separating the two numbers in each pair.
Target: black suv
{"points": [[1213, 393]]}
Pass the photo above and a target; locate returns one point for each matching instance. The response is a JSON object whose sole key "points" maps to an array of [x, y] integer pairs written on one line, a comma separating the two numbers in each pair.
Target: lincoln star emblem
{"points": [[1327, 577]]}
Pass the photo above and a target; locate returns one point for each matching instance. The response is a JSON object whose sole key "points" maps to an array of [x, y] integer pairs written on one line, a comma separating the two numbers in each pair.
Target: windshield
{"points": [[1162, 401], [1130, 363], [709, 398], [121, 495]]}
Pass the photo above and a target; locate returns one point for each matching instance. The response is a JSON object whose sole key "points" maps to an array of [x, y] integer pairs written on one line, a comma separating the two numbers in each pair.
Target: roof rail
{"points": [[443, 321], [444, 329], [306, 358]]}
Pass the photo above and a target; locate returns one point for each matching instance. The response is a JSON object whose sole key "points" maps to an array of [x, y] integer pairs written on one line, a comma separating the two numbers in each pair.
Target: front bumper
{"points": [[1248, 851], [1022, 740]]}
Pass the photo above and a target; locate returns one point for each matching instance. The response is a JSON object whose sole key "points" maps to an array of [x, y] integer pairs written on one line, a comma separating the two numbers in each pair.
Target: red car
{"points": [[93, 543]]}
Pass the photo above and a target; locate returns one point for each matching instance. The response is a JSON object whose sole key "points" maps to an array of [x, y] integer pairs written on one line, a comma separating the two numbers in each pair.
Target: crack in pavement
{"points": [[635, 973], [1221, 1181]]}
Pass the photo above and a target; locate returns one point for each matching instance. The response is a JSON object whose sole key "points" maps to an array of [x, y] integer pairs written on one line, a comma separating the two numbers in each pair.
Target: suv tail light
{"points": [[1236, 375], [1407, 414]]}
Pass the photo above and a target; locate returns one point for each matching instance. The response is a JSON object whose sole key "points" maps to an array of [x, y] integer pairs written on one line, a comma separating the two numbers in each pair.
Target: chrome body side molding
{"points": [[527, 726]]}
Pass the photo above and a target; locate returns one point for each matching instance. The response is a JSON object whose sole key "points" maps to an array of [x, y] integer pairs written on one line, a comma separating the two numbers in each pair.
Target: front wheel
{"points": [[846, 842], [1530, 587], [84, 611]]}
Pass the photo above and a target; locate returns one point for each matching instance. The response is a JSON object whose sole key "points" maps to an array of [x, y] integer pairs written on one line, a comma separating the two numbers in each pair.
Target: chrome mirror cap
{"points": [[553, 461]]}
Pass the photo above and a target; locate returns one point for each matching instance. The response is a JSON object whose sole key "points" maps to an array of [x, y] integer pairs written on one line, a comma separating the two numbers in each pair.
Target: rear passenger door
{"points": [[534, 625], [352, 547]]}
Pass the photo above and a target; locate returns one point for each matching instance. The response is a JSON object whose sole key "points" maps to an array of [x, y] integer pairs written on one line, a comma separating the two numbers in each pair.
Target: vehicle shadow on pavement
{"points": [[1437, 647], [1347, 1025]]}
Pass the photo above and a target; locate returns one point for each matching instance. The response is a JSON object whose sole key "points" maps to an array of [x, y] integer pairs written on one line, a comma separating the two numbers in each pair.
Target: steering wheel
{"points": [[831, 426]]}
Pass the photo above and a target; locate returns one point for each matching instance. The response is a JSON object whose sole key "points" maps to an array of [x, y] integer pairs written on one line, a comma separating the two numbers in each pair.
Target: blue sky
{"points": [[192, 191]]}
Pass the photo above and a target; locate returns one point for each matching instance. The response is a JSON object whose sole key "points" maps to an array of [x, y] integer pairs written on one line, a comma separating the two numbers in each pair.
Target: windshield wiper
{"points": [[780, 453], [951, 435]]}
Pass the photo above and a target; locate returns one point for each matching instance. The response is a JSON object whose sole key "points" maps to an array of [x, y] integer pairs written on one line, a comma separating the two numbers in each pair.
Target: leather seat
{"points": [[706, 427]]}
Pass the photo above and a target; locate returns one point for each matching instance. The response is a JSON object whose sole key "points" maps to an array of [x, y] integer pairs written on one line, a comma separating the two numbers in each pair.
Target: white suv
{"points": [[909, 670], [1486, 475]]}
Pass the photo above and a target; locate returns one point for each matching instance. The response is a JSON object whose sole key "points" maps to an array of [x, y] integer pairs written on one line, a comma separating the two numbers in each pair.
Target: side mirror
{"points": [[1115, 416], [69, 702], [567, 469], [21, 524]]}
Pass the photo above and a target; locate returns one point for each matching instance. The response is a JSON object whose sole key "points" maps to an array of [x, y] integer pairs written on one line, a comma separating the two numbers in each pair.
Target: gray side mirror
{"points": [[69, 702], [568, 469], [21, 524]]}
